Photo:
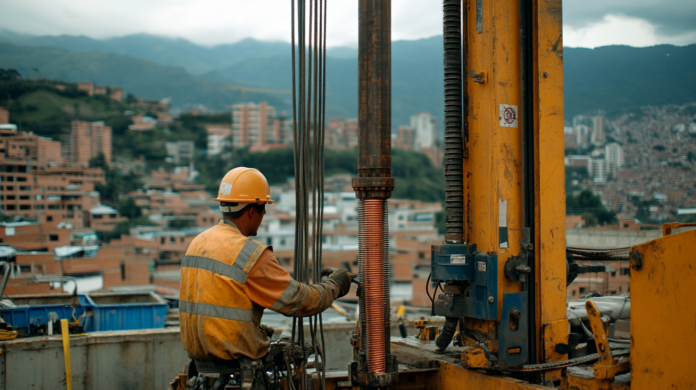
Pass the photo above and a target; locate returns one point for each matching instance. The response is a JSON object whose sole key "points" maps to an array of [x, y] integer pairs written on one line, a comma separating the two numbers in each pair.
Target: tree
{"points": [[589, 219], [115, 184], [9, 74], [128, 208], [587, 202]]}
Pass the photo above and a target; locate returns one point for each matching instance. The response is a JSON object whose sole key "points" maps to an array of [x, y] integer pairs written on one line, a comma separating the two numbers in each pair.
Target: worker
{"points": [[228, 279]]}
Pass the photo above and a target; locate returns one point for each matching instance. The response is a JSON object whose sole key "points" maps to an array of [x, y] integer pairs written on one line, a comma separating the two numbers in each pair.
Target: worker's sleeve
{"points": [[270, 286]]}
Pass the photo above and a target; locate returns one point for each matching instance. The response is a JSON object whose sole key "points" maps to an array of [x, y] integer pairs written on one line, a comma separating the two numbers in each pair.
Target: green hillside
{"points": [[41, 108], [137, 76], [620, 78], [612, 79], [177, 52], [417, 80], [38, 107]]}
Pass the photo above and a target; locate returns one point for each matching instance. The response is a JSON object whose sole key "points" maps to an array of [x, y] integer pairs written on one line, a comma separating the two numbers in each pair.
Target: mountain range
{"points": [[610, 79]]}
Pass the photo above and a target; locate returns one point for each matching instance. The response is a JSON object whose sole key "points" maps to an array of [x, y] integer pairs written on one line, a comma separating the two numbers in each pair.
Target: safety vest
{"points": [[218, 319]]}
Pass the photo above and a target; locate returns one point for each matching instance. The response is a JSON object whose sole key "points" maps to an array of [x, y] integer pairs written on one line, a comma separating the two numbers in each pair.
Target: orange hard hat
{"points": [[244, 185]]}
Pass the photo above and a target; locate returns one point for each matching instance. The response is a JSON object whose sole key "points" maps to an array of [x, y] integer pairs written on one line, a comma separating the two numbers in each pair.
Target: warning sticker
{"points": [[482, 266], [225, 188], [457, 259], [508, 115]]}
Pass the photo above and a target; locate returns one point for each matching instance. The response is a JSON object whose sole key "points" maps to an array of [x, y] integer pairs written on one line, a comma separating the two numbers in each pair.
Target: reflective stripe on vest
{"points": [[206, 309], [235, 272]]}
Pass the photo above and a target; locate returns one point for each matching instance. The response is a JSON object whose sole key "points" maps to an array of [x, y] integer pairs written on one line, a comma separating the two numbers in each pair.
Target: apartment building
{"points": [[613, 282], [4, 116], [33, 182], [180, 151], [32, 236], [219, 138], [598, 129], [252, 124], [283, 131], [91, 90], [614, 155], [405, 138], [168, 209], [88, 140], [104, 218], [142, 123], [425, 126]]}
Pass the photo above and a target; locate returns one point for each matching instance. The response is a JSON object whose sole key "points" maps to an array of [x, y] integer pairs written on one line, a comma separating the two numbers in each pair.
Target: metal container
{"points": [[127, 311]]}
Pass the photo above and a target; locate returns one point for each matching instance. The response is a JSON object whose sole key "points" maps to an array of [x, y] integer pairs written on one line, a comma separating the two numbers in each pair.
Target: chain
{"points": [[608, 254], [563, 363]]}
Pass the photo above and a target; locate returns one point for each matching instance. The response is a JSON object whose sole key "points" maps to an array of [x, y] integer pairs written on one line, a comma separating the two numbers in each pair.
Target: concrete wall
{"points": [[605, 238], [125, 360], [131, 360]]}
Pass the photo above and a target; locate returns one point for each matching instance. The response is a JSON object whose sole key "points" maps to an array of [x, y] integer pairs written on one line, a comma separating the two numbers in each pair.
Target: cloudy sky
{"points": [[587, 23]]}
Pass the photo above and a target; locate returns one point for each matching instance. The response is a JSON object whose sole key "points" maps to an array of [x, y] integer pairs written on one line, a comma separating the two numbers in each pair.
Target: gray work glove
{"points": [[343, 278]]}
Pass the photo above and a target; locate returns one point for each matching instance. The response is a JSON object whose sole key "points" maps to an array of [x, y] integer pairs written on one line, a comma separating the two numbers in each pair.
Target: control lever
{"points": [[330, 270]]}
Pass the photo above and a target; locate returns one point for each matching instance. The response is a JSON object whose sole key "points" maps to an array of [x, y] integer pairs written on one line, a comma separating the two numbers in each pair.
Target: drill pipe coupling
{"points": [[373, 187]]}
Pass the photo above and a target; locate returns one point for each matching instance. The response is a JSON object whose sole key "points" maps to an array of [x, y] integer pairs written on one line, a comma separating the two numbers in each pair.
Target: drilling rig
{"points": [[503, 267]]}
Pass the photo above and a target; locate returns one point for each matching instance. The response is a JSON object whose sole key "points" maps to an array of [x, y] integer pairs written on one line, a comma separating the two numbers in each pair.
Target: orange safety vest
{"points": [[227, 280]]}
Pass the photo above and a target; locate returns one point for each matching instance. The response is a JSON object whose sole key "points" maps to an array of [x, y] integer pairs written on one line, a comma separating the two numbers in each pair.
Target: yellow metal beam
{"points": [[663, 313], [549, 176]]}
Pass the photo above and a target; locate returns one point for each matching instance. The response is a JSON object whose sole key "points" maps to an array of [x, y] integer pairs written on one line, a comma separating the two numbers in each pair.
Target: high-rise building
{"points": [[35, 183], [283, 131], [333, 138], [219, 138], [405, 138], [425, 126], [598, 170], [88, 140], [180, 151], [569, 138], [582, 135], [614, 155], [598, 129], [578, 120], [252, 124], [350, 133]]}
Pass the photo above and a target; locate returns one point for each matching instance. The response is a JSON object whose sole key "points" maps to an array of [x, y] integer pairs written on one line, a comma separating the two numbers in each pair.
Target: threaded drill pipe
{"points": [[454, 151], [374, 285]]}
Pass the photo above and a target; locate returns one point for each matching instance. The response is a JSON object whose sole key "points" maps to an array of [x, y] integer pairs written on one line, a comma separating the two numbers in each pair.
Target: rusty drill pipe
{"points": [[374, 184], [454, 151], [374, 100]]}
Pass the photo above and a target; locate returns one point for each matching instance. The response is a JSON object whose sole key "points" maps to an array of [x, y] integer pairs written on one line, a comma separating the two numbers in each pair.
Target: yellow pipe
{"points": [[339, 310], [66, 352]]}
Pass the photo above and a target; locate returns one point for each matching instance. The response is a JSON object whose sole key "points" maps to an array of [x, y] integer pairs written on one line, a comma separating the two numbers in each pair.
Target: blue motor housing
{"points": [[452, 263], [470, 278]]}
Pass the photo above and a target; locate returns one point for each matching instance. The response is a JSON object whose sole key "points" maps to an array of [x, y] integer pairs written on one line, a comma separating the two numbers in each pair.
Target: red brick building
{"points": [[88, 140], [34, 183]]}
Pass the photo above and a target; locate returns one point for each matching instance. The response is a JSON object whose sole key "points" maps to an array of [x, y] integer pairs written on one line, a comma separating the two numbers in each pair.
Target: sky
{"points": [[587, 23]]}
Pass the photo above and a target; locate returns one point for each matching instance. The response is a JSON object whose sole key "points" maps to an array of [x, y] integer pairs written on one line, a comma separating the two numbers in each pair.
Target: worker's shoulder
{"points": [[214, 233]]}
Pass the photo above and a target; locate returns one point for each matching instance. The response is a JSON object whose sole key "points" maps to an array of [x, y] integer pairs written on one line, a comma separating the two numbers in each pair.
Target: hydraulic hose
{"points": [[445, 338]]}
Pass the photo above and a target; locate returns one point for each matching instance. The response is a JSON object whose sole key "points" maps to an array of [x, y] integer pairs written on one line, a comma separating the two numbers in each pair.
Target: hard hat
{"points": [[244, 185]]}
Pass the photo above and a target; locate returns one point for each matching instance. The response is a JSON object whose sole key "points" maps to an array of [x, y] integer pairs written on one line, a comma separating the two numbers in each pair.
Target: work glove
{"points": [[267, 330], [343, 278]]}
